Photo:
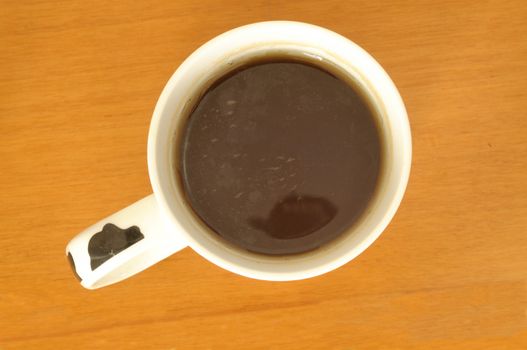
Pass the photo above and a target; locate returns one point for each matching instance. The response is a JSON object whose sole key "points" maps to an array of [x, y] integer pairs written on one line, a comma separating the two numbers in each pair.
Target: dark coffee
{"points": [[280, 157]]}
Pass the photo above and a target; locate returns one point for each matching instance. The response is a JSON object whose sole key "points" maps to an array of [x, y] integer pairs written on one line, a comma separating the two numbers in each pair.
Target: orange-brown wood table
{"points": [[78, 83]]}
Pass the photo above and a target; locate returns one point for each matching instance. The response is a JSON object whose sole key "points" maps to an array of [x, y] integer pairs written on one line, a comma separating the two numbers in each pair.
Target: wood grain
{"points": [[78, 83]]}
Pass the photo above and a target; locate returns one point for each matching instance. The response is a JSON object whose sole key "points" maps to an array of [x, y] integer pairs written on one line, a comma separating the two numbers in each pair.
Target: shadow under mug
{"points": [[161, 224]]}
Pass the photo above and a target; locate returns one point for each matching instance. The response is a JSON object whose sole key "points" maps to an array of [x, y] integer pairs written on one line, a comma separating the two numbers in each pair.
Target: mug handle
{"points": [[122, 245]]}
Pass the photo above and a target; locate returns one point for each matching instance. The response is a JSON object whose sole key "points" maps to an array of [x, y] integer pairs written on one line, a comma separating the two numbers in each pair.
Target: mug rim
{"points": [[159, 140]]}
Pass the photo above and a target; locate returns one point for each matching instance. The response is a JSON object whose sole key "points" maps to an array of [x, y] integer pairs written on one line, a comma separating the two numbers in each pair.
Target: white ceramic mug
{"points": [[161, 224]]}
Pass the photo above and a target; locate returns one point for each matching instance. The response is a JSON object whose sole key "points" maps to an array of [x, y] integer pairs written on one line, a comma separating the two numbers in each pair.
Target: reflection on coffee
{"points": [[280, 156]]}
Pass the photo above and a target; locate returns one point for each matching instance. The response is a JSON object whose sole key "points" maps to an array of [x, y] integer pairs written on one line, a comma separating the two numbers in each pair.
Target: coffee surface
{"points": [[280, 157]]}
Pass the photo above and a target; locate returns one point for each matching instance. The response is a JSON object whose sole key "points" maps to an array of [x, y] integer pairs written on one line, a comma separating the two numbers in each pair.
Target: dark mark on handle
{"points": [[111, 241]]}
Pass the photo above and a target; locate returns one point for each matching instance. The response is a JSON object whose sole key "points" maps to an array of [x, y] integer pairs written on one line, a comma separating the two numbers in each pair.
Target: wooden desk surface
{"points": [[78, 83]]}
